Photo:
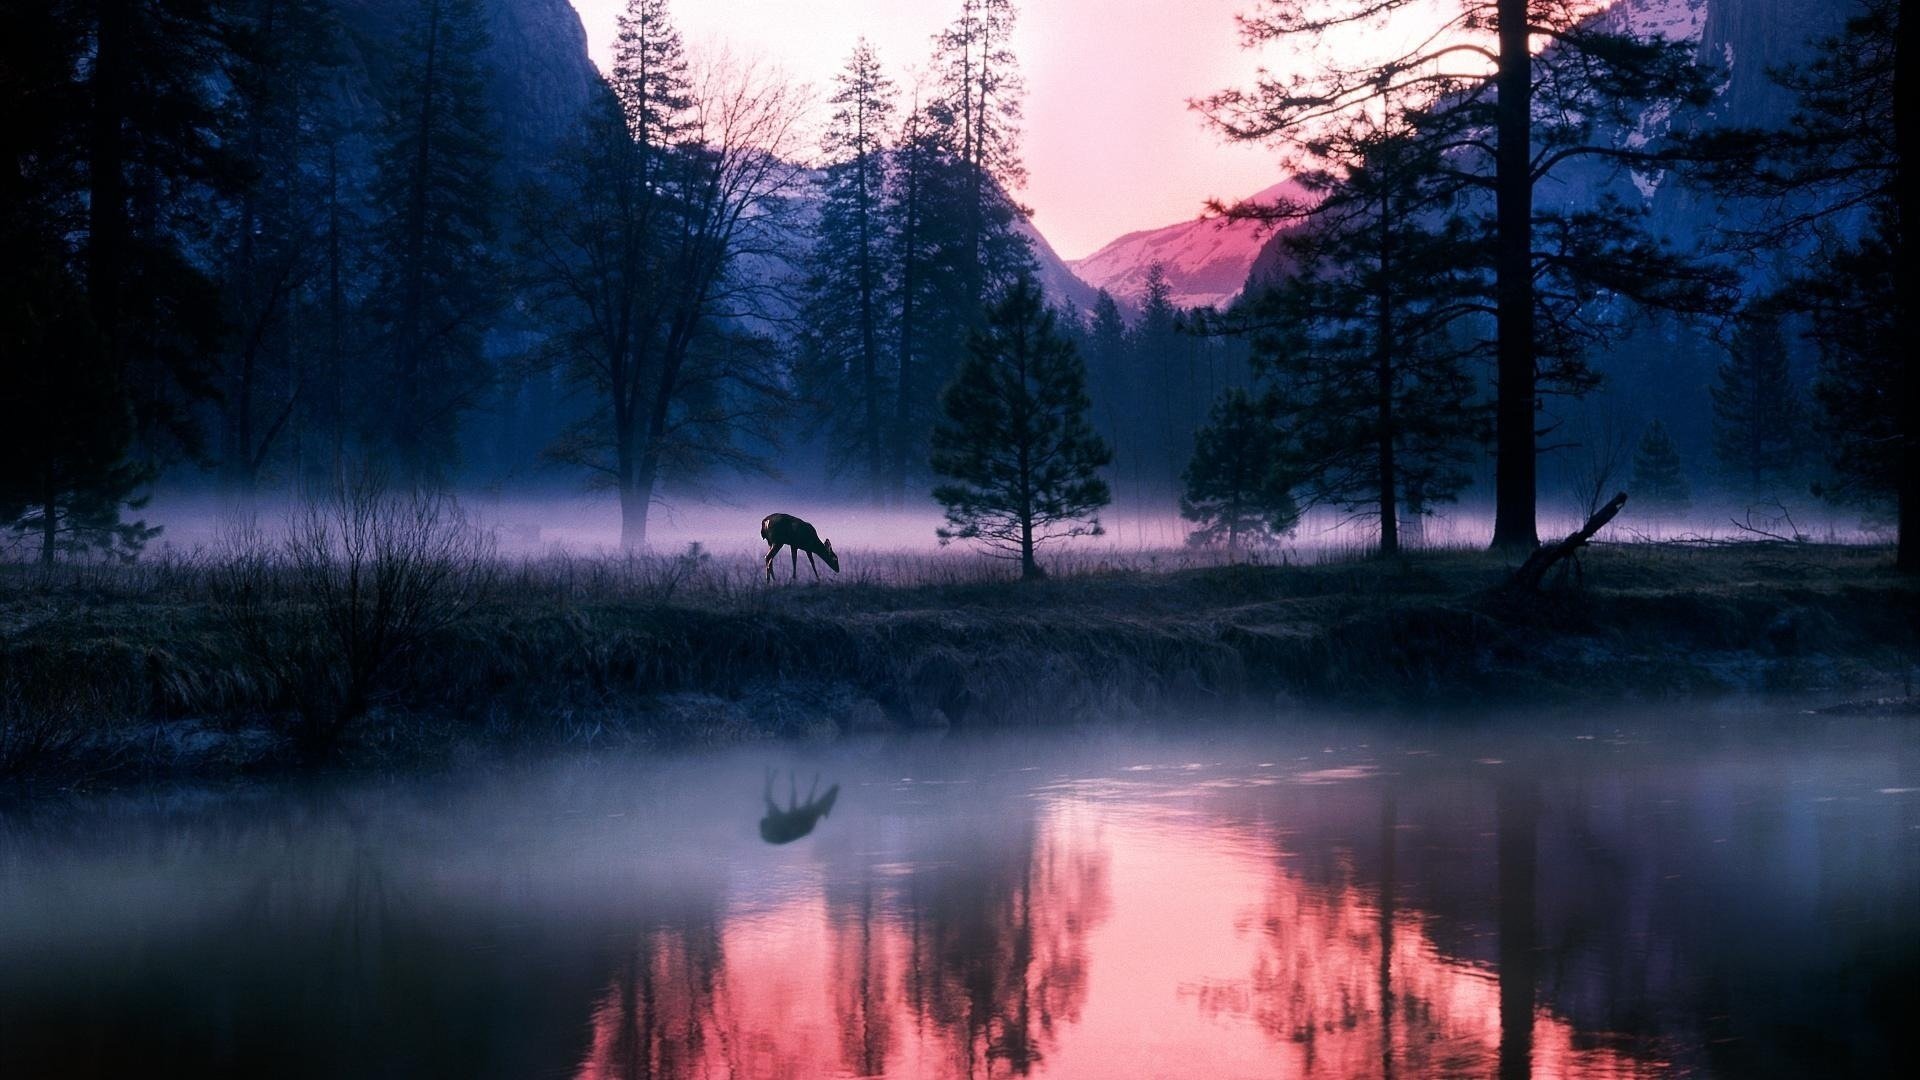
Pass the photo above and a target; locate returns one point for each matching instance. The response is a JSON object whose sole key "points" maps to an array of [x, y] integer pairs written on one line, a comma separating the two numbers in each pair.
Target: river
{"points": [[1724, 891]]}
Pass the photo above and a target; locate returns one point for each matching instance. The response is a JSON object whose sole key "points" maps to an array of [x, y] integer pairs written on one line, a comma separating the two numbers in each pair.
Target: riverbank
{"points": [[108, 674]]}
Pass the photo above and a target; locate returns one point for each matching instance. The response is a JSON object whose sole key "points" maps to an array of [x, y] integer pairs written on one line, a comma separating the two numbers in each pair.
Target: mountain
{"points": [[1206, 260], [1746, 40], [1057, 279], [539, 77]]}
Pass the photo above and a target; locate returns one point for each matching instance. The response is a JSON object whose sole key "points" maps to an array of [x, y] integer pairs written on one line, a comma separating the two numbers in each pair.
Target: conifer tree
{"points": [[1021, 461], [114, 152], [1237, 486], [1757, 421], [1853, 134], [1158, 353], [979, 108], [1110, 385], [1508, 133], [1358, 337], [274, 249], [66, 425], [1855, 321], [1659, 482], [437, 284], [846, 319], [933, 299]]}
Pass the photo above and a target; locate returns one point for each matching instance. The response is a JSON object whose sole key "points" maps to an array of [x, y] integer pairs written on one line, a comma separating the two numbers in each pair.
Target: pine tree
{"points": [[1358, 337], [159, 159], [66, 426], [951, 218], [1158, 351], [1509, 133], [116, 152], [1237, 485], [437, 281], [1855, 322], [978, 109], [1110, 380], [1757, 421], [846, 318], [1853, 133], [275, 247], [1659, 482], [926, 202], [1021, 460]]}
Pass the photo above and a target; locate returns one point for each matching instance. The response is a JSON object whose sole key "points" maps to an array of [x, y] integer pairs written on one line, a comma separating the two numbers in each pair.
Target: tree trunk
{"points": [[635, 497], [903, 387], [870, 354], [408, 439], [1023, 424], [49, 523], [1906, 115], [106, 180], [1531, 572], [1029, 566], [1514, 461], [1389, 504], [626, 477]]}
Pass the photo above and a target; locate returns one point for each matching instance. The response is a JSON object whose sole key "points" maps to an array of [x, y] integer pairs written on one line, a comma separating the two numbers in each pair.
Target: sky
{"points": [[1109, 142]]}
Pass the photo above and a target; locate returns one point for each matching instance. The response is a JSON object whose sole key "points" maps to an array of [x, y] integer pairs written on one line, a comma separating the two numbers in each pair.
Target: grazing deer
{"points": [[785, 529], [798, 819]]}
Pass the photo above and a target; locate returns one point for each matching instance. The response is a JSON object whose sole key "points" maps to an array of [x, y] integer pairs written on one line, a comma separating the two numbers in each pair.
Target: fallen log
{"points": [[1531, 572]]}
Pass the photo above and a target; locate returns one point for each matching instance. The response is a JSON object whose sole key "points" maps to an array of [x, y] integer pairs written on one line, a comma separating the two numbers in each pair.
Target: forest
{"points": [[331, 255]]}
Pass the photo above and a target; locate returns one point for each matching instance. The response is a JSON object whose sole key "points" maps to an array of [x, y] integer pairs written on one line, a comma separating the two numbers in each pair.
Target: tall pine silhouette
{"points": [[437, 283], [1021, 461]]}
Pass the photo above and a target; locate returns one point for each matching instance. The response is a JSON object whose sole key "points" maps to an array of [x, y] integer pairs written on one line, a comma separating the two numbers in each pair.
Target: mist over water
{"points": [[1639, 894]]}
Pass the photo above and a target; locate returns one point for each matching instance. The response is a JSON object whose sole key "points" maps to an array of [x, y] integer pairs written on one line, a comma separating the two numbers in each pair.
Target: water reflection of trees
{"points": [[662, 1015], [1354, 976], [997, 955], [970, 962]]}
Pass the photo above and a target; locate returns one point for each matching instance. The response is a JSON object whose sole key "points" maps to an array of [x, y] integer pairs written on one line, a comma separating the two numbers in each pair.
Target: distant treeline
{"points": [[215, 265]]}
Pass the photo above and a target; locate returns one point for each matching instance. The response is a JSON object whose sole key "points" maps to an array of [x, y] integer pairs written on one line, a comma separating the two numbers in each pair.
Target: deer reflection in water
{"points": [[798, 819]]}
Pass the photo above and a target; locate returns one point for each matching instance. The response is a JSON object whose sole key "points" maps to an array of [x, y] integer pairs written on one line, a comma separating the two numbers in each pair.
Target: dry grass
{"points": [[695, 644]]}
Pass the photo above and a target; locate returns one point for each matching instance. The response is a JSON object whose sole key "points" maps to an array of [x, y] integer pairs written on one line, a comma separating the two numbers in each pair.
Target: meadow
{"points": [[393, 632]]}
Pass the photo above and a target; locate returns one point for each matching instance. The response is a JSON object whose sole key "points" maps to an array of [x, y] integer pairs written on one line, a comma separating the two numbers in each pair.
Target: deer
{"points": [[798, 819], [780, 530]]}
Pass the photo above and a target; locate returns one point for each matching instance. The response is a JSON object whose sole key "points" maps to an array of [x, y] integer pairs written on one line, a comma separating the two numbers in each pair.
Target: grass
{"points": [[116, 670]]}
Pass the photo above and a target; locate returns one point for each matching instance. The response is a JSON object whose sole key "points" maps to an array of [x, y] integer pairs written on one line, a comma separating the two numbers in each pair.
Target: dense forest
{"points": [[255, 245]]}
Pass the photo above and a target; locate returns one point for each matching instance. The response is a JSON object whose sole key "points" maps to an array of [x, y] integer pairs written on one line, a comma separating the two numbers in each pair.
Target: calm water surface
{"points": [[1734, 894]]}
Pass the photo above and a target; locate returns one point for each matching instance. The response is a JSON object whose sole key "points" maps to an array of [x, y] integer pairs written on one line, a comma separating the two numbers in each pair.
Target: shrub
{"points": [[336, 611]]}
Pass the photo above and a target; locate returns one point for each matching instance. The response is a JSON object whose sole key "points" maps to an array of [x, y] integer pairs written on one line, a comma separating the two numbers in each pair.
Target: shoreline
{"points": [[142, 679]]}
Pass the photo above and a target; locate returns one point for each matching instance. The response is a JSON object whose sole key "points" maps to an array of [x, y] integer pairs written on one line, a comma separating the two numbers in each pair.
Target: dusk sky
{"points": [[1110, 144]]}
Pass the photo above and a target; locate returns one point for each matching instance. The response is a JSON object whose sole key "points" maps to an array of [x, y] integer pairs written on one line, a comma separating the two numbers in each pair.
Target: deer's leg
{"points": [[771, 552], [795, 552], [815, 565]]}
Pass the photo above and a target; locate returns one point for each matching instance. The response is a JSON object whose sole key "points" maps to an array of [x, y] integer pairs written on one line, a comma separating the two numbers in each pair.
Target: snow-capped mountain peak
{"points": [[1206, 259]]}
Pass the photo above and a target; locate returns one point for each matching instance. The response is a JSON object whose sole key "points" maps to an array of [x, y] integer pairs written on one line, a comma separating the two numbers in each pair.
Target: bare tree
{"points": [[658, 257], [1597, 459]]}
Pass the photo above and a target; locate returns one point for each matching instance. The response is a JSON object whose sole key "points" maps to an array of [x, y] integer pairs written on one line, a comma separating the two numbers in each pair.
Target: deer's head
{"points": [[826, 552]]}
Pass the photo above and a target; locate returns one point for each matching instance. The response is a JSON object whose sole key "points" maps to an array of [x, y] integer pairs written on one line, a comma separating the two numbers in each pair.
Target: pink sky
{"points": [[1110, 145]]}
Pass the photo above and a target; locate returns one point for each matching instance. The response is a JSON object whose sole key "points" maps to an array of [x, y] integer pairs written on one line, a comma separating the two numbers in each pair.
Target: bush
{"points": [[335, 612]]}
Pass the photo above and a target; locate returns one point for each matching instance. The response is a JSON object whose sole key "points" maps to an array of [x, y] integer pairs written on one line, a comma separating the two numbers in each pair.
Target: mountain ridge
{"points": [[1206, 259]]}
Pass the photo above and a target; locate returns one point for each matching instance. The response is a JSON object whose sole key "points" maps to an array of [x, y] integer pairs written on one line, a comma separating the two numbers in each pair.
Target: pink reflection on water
{"points": [[1112, 943]]}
